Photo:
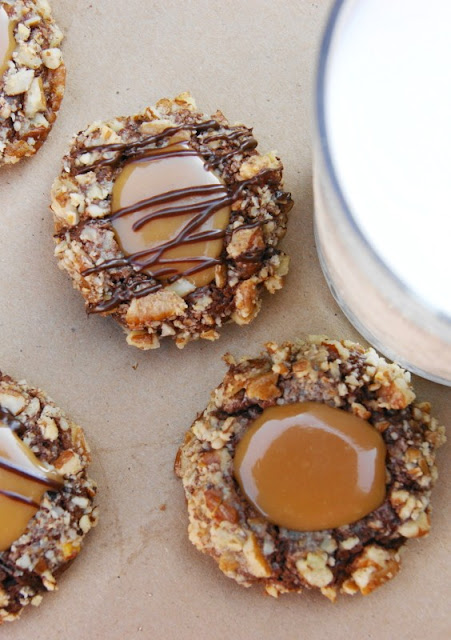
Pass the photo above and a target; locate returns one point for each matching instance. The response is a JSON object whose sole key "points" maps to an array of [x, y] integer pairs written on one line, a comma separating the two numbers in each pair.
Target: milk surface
{"points": [[388, 122]]}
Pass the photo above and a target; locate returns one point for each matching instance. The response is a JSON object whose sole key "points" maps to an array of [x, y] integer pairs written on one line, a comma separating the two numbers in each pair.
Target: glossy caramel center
{"points": [[23, 482], [7, 41], [307, 466], [177, 234]]}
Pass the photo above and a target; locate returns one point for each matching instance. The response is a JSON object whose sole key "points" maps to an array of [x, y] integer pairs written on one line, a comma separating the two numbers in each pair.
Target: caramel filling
{"points": [[170, 214], [307, 466], [7, 41], [23, 482]]}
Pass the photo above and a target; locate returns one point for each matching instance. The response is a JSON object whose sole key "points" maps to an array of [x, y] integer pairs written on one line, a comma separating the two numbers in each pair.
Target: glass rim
{"points": [[320, 122]]}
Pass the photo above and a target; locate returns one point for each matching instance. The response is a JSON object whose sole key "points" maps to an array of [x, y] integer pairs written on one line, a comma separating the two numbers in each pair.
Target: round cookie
{"points": [[351, 558], [46, 497], [169, 221], [32, 77]]}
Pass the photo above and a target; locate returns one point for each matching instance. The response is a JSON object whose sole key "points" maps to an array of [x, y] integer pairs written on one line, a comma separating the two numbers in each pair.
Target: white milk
{"points": [[388, 118], [385, 129]]}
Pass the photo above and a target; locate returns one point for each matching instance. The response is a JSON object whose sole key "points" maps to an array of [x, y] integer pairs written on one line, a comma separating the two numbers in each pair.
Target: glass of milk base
{"points": [[382, 176]]}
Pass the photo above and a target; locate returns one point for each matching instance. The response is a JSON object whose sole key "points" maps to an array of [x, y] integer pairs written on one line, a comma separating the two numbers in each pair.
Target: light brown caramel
{"points": [[23, 482], [170, 169], [307, 466], [7, 41]]}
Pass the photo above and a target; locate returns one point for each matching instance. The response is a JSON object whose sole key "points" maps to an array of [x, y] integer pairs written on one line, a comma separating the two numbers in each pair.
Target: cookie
{"points": [[32, 77], [242, 523], [169, 222], [46, 496]]}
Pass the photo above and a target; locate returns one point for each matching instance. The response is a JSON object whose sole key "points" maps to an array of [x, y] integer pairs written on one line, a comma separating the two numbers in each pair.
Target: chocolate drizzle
{"points": [[17, 497], [214, 197], [128, 151], [8, 420], [7, 465]]}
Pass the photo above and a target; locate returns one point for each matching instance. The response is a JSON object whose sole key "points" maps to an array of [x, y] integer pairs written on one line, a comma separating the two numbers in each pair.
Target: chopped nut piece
{"points": [[35, 98], [263, 387], [19, 82], [154, 308], [68, 463], [255, 164], [371, 569], [244, 241], [52, 58], [23, 32], [13, 401], [143, 340], [28, 57], [314, 570], [247, 302], [256, 561]]}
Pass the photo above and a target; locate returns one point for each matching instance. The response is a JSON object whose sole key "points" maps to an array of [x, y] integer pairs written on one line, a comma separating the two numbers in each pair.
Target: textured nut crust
{"points": [[32, 87], [54, 535], [81, 202], [357, 557]]}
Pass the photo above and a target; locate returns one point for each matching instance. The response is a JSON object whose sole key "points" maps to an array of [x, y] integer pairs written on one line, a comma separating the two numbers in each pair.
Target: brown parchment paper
{"points": [[138, 576]]}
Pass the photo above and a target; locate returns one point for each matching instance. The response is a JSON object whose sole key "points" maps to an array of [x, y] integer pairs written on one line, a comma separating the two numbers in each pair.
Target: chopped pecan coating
{"points": [[32, 84], [148, 308], [353, 558], [54, 535]]}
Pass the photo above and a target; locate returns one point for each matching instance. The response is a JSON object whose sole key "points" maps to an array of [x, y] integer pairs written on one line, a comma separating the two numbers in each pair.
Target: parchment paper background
{"points": [[138, 576]]}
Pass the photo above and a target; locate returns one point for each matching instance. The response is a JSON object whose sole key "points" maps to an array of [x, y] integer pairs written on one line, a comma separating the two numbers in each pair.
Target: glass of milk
{"points": [[382, 175]]}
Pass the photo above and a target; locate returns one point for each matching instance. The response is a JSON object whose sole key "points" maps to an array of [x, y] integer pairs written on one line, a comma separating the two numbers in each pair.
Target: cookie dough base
{"points": [[250, 260], [32, 87], [355, 558], [54, 536]]}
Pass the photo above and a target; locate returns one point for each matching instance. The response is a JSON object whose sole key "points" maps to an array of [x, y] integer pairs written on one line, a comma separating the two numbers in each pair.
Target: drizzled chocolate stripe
{"points": [[216, 197], [7, 465], [150, 155], [165, 198], [130, 150], [17, 497], [250, 257], [173, 212], [246, 145], [229, 136]]}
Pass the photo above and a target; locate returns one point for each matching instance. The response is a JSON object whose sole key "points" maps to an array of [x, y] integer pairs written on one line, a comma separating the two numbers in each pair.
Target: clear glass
{"points": [[381, 307]]}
